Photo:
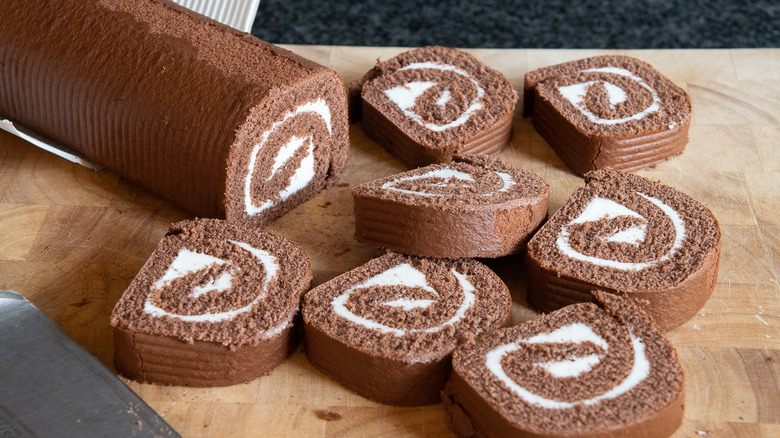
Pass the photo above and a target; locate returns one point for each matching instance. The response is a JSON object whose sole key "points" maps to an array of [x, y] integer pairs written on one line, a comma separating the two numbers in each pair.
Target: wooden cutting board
{"points": [[72, 239]]}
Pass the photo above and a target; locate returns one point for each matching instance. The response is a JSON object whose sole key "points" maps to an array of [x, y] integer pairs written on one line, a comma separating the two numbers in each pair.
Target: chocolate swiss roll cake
{"points": [[387, 329], [213, 119], [427, 104], [587, 370], [622, 232], [474, 206], [611, 111], [213, 306]]}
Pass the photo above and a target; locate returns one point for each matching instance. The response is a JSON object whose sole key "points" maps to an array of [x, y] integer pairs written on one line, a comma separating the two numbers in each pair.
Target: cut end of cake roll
{"points": [[213, 306], [291, 147], [622, 232], [427, 104], [210, 118], [473, 206], [608, 111], [587, 370], [386, 330]]}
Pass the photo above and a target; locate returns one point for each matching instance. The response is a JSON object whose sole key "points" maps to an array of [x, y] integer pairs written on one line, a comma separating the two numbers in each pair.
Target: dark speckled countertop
{"points": [[619, 24]]}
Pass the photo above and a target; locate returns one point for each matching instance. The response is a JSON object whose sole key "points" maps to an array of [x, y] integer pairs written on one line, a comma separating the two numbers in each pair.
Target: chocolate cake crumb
{"points": [[330, 415]]}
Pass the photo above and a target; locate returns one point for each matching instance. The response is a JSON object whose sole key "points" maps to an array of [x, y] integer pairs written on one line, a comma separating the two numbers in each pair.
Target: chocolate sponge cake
{"points": [[213, 306], [474, 206], [622, 232], [587, 370], [213, 119], [611, 111], [387, 329], [427, 104]]}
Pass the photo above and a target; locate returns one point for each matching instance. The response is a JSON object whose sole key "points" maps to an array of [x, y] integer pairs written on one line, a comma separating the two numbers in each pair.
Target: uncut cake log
{"points": [[622, 232], [213, 306], [387, 329], [213, 119], [587, 370], [614, 111], [427, 104], [474, 206]]}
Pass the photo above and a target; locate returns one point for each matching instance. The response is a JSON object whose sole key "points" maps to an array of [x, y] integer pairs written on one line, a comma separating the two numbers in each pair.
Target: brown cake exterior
{"points": [[213, 119], [474, 206], [622, 232], [213, 306], [608, 111], [387, 329], [427, 104], [587, 370]]}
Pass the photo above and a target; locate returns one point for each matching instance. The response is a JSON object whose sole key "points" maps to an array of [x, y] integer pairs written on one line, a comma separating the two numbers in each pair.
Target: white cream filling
{"points": [[187, 262], [573, 333], [600, 208], [405, 95], [305, 171], [445, 174], [576, 93], [404, 275]]}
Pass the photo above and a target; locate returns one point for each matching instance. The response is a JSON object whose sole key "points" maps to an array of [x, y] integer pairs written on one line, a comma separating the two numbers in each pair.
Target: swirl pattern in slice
{"points": [[474, 206], [611, 111], [213, 305], [387, 328], [427, 104], [623, 232], [587, 370]]}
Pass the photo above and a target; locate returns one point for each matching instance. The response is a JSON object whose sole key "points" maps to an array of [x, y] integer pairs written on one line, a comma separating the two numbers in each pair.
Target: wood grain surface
{"points": [[72, 239]]}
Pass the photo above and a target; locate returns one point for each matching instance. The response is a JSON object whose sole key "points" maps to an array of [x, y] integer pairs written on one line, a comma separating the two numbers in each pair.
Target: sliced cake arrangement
{"points": [[215, 120], [614, 111], [473, 206], [587, 370], [427, 104], [624, 233], [387, 329], [213, 306]]}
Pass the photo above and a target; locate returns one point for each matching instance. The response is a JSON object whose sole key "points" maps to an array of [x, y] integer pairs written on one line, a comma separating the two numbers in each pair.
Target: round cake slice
{"points": [[622, 232], [614, 111], [213, 306], [213, 119], [387, 329], [587, 370], [474, 206], [427, 104]]}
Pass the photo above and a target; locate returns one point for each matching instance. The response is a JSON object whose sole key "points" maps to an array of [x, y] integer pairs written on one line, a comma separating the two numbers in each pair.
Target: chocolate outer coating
{"points": [[672, 293], [487, 132], [584, 145], [169, 99], [474, 410], [458, 225], [167, 360]]}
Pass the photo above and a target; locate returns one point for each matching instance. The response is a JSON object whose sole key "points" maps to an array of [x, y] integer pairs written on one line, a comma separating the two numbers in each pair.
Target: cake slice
{"points": [[387, 329], [427, 104], [213, 119], [474, 206], [587, 370], [614, 111], [213, 306], [622, 232]]}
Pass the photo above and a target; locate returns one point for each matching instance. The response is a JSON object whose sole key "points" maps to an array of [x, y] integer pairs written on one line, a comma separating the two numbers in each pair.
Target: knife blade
{"points": [[50, 386]]}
